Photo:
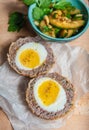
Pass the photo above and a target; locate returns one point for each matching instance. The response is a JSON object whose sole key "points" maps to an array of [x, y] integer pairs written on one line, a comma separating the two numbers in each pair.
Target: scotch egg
{"points": [[50, 96], [30, 58]]}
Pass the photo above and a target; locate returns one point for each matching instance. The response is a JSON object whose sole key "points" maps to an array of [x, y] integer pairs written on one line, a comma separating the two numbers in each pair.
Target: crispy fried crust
{"points": [[36, 71], [38, 111]]}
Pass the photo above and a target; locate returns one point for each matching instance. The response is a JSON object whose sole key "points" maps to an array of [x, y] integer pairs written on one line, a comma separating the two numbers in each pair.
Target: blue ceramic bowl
{"points": [[78, 4]]}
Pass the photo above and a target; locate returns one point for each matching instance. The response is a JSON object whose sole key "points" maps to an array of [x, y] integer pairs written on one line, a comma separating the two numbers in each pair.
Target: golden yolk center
{"points": [[29, 58], [48, 92]]}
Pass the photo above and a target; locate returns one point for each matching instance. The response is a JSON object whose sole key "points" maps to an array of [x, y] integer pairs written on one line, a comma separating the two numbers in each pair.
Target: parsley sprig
{"points": [[29, 2], [16, 21]]}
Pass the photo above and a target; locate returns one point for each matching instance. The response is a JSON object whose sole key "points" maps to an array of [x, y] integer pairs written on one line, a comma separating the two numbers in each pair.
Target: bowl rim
{"points": [[31, 20]]}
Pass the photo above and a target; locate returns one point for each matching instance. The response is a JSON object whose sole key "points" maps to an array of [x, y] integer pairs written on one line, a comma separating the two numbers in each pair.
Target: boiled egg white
{"points": [[49, 94], [30, 55]]}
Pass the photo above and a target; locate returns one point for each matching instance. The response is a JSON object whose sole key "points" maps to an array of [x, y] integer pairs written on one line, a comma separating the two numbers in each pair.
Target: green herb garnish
{"points": [[43, 3], [57, 30], [37, 13], [46, 29], [63, 4], [29, 2], [68, 15], [47, 11], [41, 9], [16, 21]]}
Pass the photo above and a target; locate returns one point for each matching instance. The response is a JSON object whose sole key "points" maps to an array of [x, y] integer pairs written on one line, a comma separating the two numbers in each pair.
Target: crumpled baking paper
{"points": [[71, 62]]}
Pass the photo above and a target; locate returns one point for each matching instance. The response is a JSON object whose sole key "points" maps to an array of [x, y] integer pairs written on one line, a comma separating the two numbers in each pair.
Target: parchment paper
{"points": [[71, 62]]}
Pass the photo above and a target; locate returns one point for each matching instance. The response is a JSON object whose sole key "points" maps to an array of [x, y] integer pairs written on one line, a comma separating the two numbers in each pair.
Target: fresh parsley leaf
{"points": [[29, 2], [57, 30], [16, 21], [43, 3], [47, 11], [37, 13], [62, 4], [41, 9], [46, 29], [68, 15]]}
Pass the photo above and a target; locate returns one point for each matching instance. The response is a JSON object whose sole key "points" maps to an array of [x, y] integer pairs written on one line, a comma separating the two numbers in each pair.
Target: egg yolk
{"points": [[29, 58], [48, 92]]}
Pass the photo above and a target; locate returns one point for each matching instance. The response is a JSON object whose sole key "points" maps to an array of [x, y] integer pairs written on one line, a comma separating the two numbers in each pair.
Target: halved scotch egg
{"points": [[30, 58], [50, 96]]}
